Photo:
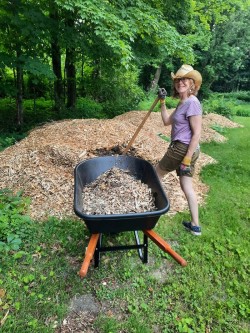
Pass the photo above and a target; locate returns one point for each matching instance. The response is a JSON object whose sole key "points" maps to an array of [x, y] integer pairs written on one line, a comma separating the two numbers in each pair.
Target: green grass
{"points": [[210, 294]]}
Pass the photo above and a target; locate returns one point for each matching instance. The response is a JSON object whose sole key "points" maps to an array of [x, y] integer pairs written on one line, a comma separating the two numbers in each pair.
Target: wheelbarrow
{"points": [[98, 225]]}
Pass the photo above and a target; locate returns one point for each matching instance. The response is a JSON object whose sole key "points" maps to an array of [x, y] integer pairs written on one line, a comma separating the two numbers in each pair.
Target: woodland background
{"points": [[81, 59]]}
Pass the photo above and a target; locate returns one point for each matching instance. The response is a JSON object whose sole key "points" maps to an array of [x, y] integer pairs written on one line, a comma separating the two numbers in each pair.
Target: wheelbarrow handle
{"points": [[89, 254], [140, 126], [164, 246]]}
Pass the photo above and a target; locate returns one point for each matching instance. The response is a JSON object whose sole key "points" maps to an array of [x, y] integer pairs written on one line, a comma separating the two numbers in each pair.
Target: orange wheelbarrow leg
{"points": [[89, 254], [164, 246]]}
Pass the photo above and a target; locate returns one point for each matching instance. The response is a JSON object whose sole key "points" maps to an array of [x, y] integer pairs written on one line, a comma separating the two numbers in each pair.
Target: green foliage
{"points": [[171, 102], [164, 137], [37, 86], [243, 113], [23, 27], [38, 69], [217, 105], [7, 140], [240, 95], [219, 129], [111, 44], [33, 279], [103, 34], [223, 110], [229, 47], [7, 114], [216, 12], [36, 111], [147, 102], [85, 108], [116, 90], [227, 104], [14, 224], [12, 243]]}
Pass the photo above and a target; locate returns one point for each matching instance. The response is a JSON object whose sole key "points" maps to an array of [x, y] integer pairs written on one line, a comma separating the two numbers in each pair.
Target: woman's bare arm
{"points": [[195, 124], [166, 117]]}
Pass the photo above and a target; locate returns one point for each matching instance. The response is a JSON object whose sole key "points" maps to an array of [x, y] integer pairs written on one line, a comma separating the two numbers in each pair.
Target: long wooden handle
{"points": [[164, 246], [140, 126], [89, 254]]}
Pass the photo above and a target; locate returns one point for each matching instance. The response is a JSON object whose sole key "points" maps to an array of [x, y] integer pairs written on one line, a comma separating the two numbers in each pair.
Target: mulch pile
{"points": [[42, 164]]}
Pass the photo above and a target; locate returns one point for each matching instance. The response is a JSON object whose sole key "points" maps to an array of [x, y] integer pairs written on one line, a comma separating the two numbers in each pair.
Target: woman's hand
{"points": [[185, 166], [162, 95]]}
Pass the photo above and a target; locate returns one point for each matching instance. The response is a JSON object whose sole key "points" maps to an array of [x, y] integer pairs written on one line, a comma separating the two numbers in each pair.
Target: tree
{"points": [[129, 32], [209, 18], [92, 48], [56, 53], [178, 16], [22, 25], [231, 51]]}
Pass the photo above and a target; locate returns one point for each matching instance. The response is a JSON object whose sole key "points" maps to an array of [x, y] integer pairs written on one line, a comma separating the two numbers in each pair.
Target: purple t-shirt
{"points": [[181, 129]]}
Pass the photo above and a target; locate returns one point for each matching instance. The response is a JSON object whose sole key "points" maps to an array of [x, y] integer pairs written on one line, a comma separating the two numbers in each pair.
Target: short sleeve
{"points": [[194, 108]]}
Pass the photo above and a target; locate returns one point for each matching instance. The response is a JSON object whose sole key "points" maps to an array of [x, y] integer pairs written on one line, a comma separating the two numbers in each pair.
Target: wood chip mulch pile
{"points": [[42, 164]]}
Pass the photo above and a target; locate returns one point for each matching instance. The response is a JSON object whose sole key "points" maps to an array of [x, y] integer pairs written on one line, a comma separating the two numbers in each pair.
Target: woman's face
{"points": [[183, 85]]}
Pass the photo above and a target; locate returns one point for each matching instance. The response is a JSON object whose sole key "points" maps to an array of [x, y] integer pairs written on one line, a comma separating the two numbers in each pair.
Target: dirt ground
{"points": [[42, 164]]}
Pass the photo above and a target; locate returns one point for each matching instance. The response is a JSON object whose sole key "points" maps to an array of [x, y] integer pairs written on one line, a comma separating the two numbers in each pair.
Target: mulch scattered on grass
{"points": [[42, 164]]}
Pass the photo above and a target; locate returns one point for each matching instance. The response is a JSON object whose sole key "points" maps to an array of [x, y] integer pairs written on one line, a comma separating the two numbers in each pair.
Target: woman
{"points": [[184, 149]]}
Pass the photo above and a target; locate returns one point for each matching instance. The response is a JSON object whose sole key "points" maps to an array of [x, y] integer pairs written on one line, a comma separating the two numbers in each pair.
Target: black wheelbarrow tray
{"points": [[86, 172]]}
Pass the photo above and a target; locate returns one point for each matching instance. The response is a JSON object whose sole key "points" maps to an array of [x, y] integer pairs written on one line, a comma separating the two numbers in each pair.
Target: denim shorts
{"points": [[172, 159]]}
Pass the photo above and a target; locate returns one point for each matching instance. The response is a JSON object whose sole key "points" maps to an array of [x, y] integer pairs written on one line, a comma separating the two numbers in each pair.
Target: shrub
{"points": [[37, 111], [219, 106], [116, 89], [242, 113], [6, 142], [171, 102], [125, 98], [13, 222], [241, 95], [85, 108], [145, 104], [224, 111]]}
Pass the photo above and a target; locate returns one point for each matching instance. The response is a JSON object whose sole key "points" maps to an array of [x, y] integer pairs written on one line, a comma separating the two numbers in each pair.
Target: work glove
{"points": [[162, 95], [185, 168]]}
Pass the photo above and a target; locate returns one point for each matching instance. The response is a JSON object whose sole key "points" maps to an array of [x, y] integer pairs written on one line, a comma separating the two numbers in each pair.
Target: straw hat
{"points": [[189, 72]]}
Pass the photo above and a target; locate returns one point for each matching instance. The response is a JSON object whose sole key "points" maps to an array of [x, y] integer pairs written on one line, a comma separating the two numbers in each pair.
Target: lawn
{"points": [[40, 261]]}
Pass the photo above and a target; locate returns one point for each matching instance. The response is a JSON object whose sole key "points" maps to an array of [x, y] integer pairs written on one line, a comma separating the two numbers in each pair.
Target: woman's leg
{"points": [[187, 187]]}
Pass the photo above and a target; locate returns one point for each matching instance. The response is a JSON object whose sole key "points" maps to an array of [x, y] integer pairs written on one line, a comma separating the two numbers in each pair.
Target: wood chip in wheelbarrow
{"points": [[117, 191]]}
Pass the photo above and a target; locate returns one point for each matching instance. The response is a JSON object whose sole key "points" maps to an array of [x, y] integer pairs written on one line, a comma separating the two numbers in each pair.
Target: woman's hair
{"points": [[193, 90]]}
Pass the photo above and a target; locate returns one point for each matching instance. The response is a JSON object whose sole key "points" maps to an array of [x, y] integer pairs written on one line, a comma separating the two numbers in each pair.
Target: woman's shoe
{"points": [[195, 230]]}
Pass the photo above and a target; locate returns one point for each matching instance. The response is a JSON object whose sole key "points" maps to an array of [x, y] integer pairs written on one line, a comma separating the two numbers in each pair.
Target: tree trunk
{"points": [[56, 59], [155, 81], [70, 66], [57, 69], [19, 86], [71, 77]]}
